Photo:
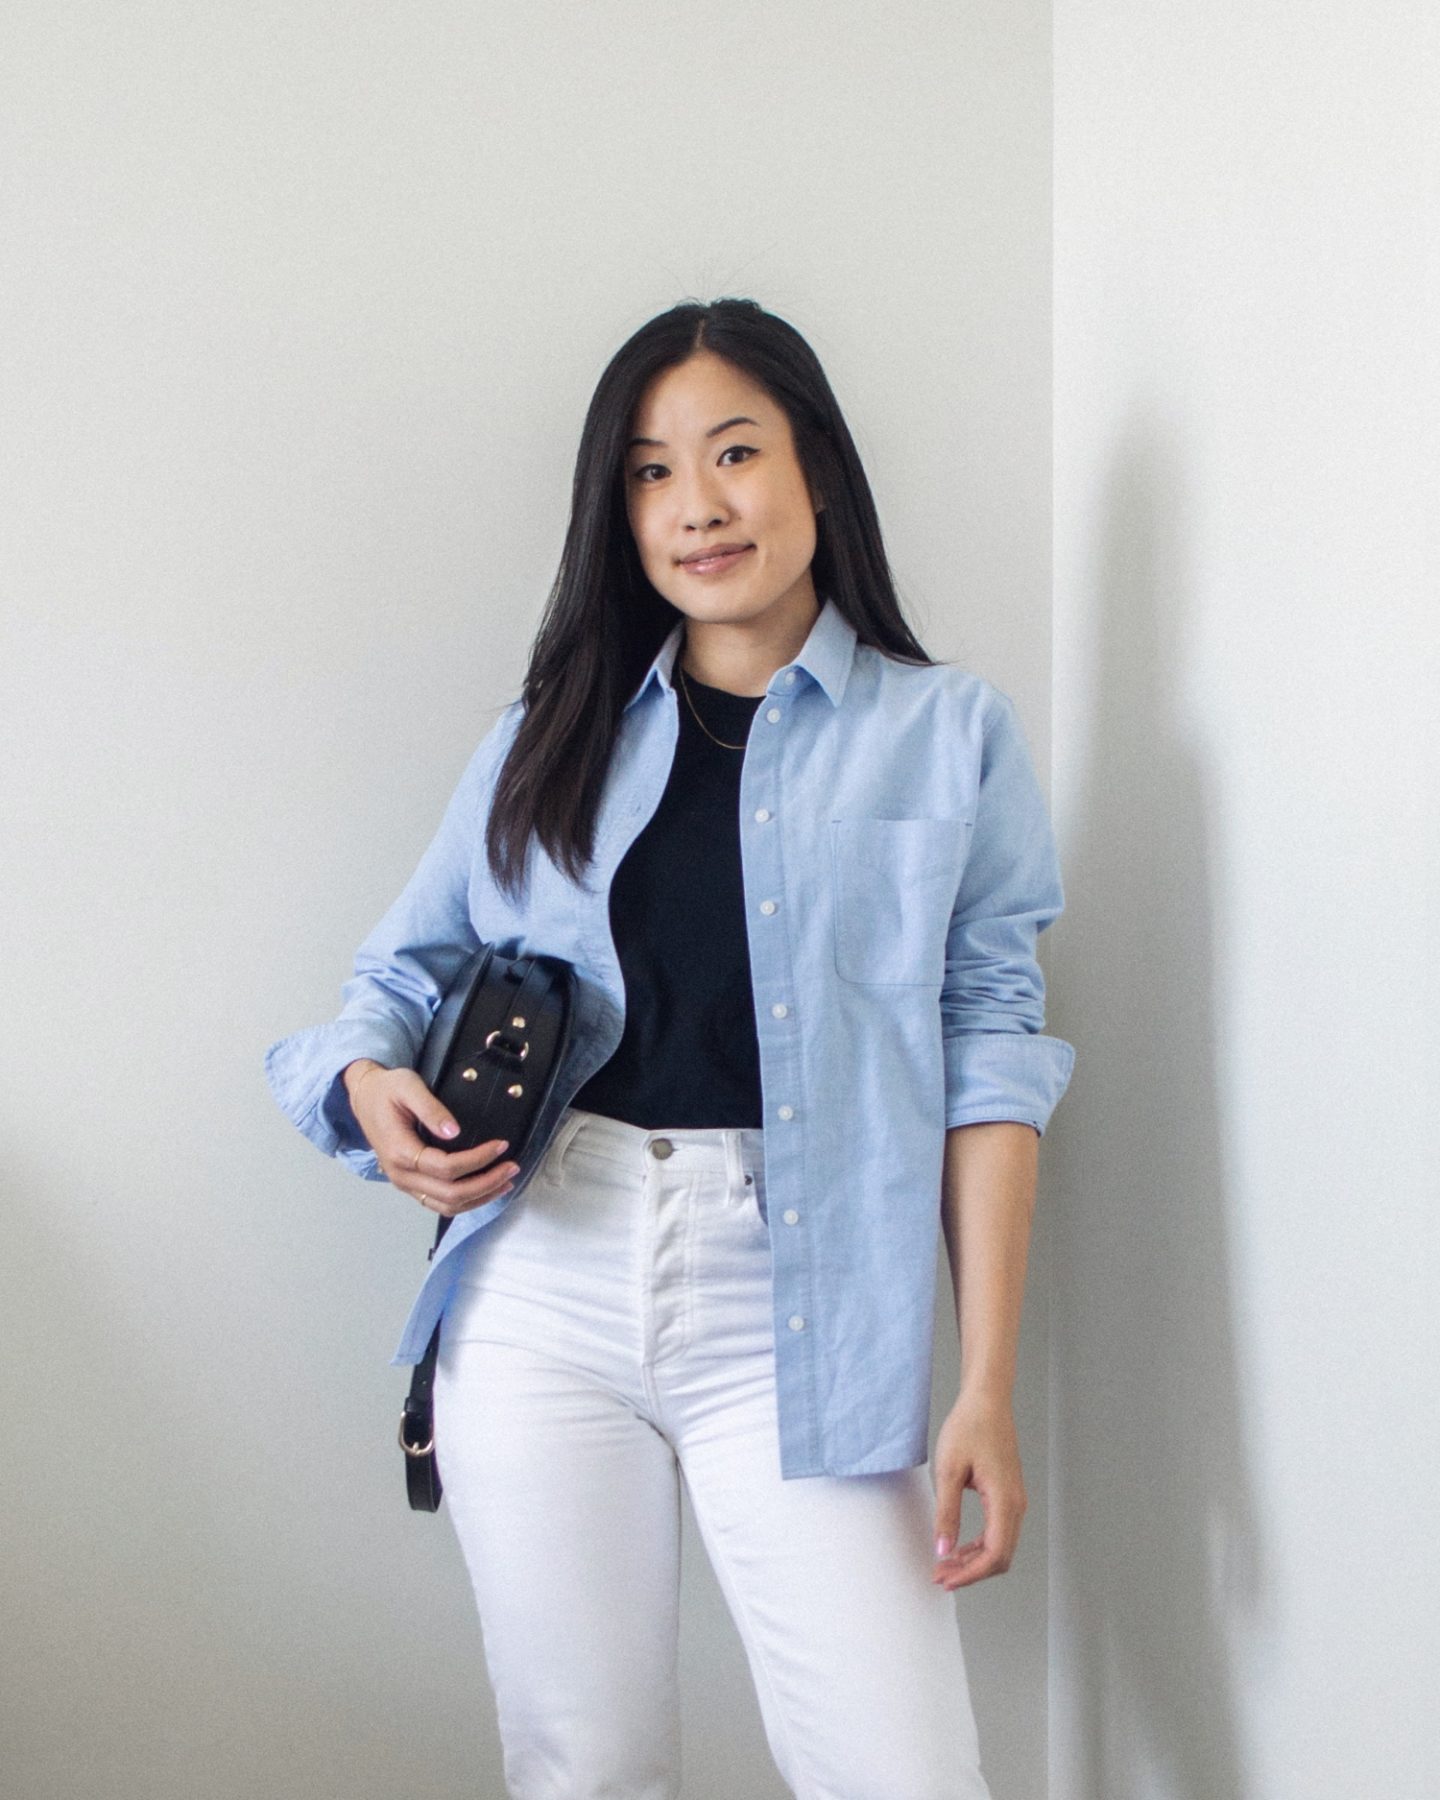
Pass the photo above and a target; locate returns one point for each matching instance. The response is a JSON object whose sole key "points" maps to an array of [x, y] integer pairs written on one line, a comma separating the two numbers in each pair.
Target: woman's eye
{"points": [[643, 471]]}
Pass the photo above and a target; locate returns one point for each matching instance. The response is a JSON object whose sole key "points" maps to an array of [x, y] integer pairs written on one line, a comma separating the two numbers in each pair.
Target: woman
{"points": [[800, 870]]}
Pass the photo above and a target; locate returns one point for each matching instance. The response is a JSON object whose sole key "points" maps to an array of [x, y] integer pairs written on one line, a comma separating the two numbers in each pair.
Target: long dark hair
{"points": [[604, 620]]}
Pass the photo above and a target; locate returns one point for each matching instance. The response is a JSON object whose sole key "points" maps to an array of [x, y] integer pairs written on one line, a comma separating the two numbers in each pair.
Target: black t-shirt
{"points": [[689, 1055]]}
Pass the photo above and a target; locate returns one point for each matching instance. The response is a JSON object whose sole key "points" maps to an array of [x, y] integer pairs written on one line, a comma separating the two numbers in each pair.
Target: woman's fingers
{"points": [[456, 1186], [392, 1102], [456, 1165], [991, 1553], [451, 1209], [408, 1089]]}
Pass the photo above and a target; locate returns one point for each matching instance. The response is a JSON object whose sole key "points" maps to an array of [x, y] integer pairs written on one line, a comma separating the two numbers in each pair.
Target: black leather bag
{"points": [[491, 1056]]}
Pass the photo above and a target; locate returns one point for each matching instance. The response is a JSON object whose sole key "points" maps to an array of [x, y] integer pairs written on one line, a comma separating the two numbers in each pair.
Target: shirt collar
{"points": [[826, 656]]}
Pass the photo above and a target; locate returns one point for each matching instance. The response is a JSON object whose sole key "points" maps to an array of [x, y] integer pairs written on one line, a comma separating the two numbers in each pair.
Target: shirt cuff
{"points": [[1018, 1075], [305, 1073]]}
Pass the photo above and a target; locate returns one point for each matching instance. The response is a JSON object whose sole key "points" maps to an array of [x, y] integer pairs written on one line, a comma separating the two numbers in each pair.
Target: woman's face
{"points": [[719, 468]]}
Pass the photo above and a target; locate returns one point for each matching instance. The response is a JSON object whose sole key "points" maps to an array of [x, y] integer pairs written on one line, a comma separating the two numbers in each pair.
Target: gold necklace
{"points": [[685, 686]]}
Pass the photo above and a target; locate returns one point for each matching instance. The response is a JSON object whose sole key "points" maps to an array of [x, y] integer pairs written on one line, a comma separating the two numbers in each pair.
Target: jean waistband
{"points": [[732, 1147]]}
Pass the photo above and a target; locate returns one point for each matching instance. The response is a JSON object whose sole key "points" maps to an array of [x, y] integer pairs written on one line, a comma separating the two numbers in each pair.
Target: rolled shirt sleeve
{"points": [[401, 973], [999, 1064]]}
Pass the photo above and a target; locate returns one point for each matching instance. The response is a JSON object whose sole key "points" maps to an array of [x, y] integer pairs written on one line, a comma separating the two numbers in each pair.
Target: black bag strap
{"points": [[417, 1418], [417, 1431]]}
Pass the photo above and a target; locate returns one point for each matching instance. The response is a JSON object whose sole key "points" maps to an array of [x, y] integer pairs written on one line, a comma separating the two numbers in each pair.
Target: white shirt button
{"points": [[790, 1215], [789, 678], [773, 714], [762, 814], [787, 1112], [780, 1009], [767, 906], [796, 1322]]}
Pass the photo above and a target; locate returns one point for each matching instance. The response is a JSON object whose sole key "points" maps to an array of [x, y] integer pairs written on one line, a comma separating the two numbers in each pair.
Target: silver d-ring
{"points": [[414, 1449]]}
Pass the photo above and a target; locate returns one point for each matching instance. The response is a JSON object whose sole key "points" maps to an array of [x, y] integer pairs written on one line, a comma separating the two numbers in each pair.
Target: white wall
{"points": [[304, 308], [1243, 1534]]}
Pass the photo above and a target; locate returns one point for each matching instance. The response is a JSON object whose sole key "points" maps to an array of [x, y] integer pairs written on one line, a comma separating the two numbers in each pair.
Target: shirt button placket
{"points": [[779, 1009]]}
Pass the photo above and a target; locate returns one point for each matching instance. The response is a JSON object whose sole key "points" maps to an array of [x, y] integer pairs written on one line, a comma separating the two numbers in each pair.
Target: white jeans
{"points": [[613, 1334]]}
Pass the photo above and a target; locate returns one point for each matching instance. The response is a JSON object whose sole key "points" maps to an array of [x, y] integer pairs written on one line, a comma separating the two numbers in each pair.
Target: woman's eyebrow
{"points": [[714, 431]]}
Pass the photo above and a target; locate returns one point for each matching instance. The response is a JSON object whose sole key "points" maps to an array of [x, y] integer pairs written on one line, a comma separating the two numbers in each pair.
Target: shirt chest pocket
{"points": [[895, 882]]}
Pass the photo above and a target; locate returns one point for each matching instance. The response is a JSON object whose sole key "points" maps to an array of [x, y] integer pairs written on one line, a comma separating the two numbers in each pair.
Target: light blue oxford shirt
{"points": [[898, 864]]}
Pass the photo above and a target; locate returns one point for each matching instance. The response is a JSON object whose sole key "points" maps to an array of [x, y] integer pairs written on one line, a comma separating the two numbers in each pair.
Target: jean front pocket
{"points": [[550, 1170], [895, 882]]}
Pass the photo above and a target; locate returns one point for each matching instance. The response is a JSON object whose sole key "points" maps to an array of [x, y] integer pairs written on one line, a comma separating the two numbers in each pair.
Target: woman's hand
{"points": [[387, 1103], [977, 1447]]}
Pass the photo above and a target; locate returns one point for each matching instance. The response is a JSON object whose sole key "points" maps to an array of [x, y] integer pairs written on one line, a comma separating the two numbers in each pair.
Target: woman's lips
{"points": [[716, 565]]}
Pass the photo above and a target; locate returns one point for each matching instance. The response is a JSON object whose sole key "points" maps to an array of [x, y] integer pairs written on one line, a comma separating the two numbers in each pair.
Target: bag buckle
{"points": [[413, 1449]]}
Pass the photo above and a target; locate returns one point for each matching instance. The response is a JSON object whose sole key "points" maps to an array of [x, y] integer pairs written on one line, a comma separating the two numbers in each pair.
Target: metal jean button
{"points": [[662, 1147]]}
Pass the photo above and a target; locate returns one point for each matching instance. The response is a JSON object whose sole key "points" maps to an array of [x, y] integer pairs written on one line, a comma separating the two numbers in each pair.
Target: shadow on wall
{"points": [[1154, 1529]]}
